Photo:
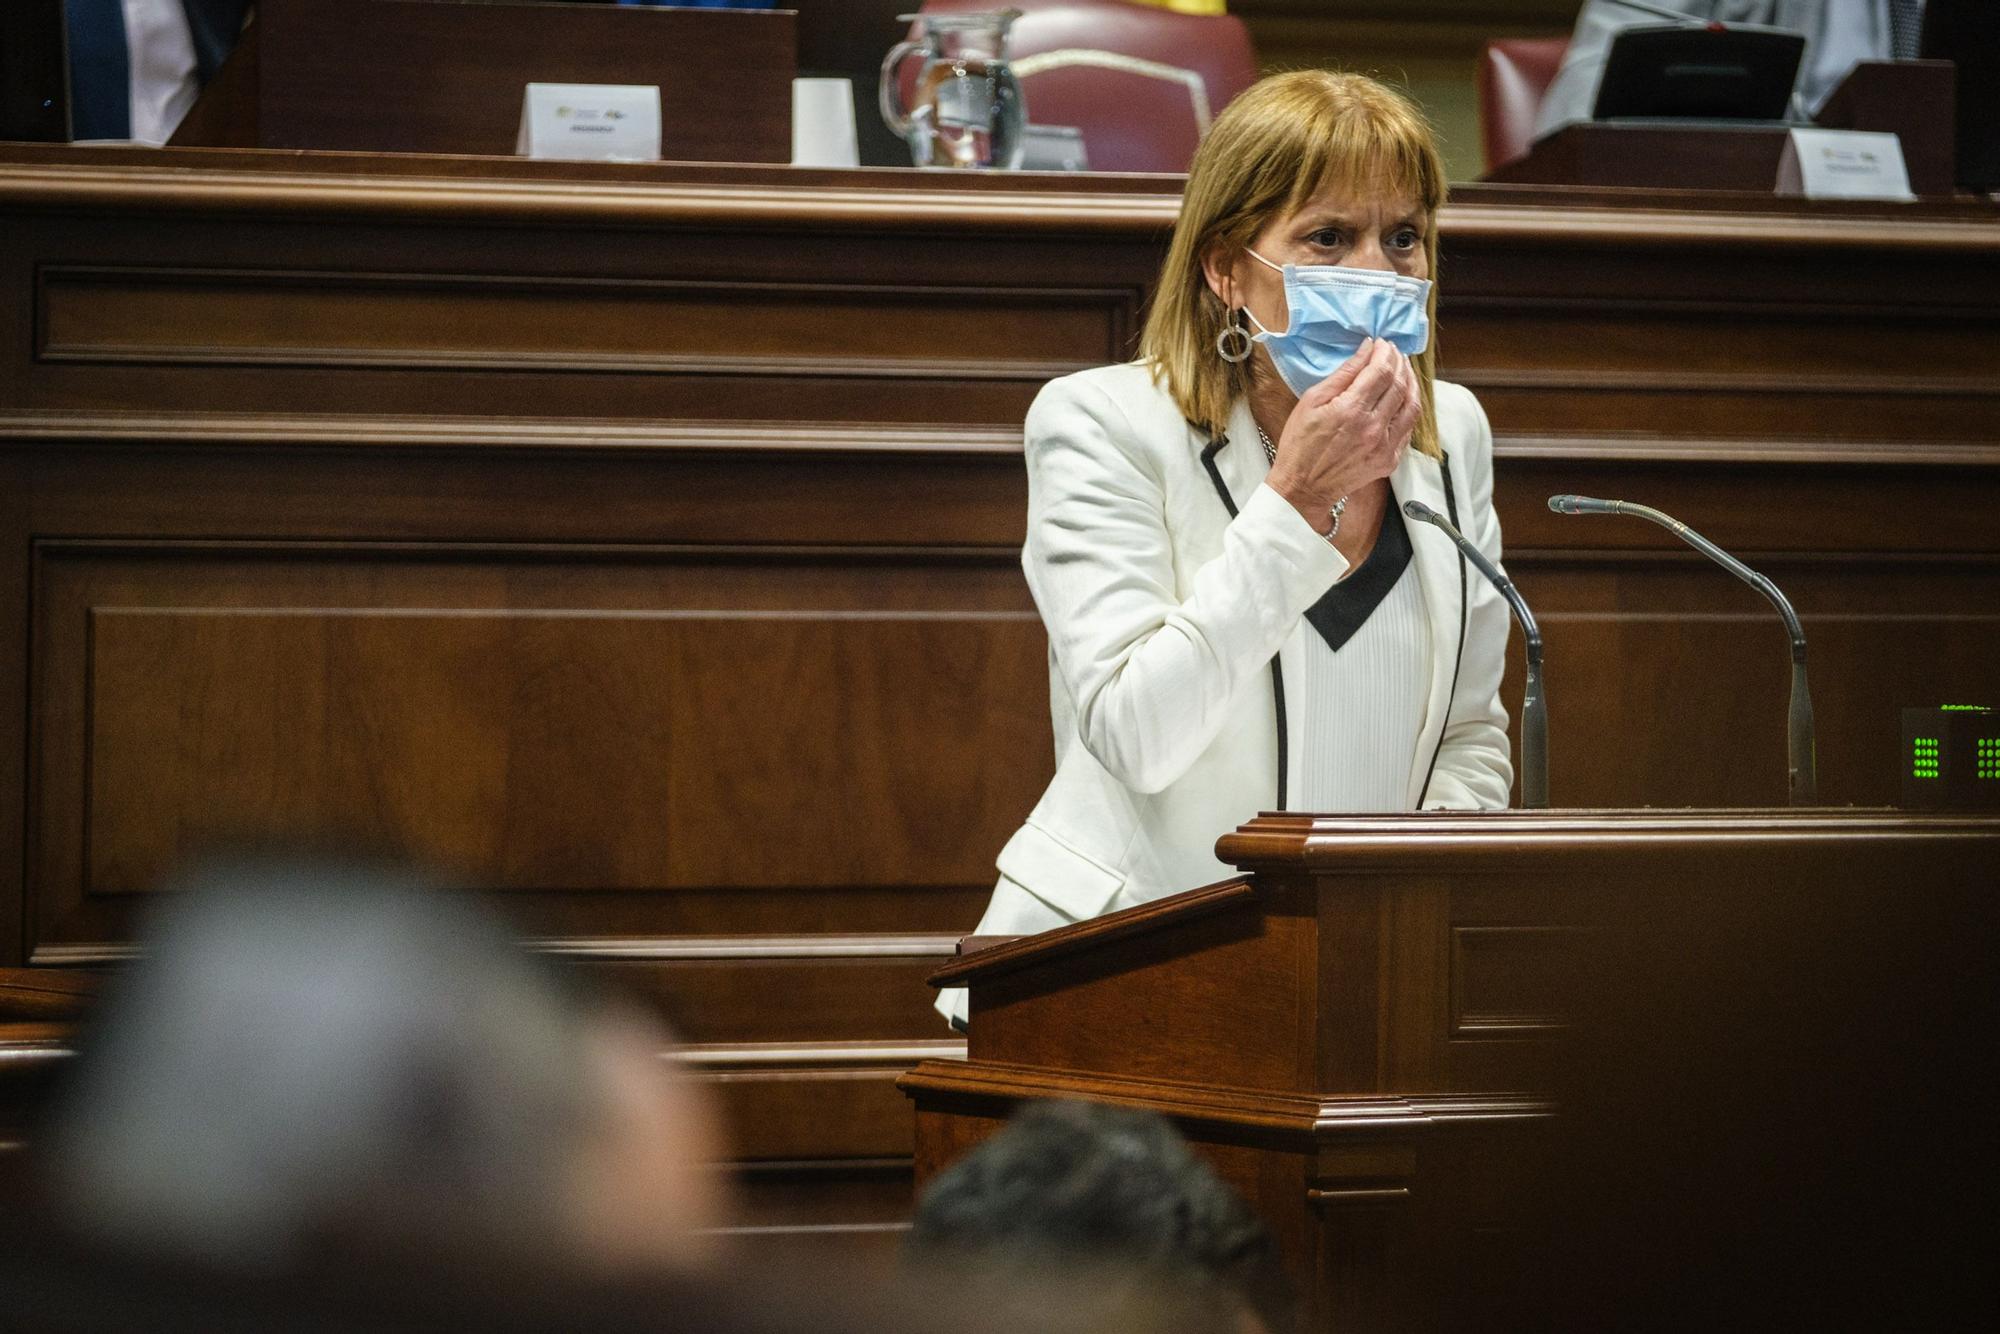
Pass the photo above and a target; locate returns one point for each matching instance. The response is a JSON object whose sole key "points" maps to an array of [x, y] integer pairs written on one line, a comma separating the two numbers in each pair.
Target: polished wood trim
{"points": [[769, 1167], [365, 432], [1305, 1118], [808, 1229], [26, 1043], [1357, 1195], [818, 1055], [747, 947], [1678, 229], [638, 949], [75, 182], [571, 363], [82, 956], [358, 431], [1816, 452], [974, 944], [82, 186], [1679, 381], [1343, 845], [988, 963], [802, 552]]}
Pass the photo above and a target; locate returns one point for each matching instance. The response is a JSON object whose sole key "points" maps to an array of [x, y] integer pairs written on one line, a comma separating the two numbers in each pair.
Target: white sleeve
{"points": [[1473, 770], [1152, 674]]}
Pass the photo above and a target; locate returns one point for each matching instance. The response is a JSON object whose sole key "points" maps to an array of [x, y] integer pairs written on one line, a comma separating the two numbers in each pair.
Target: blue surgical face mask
{"points": [[1334, 310]]}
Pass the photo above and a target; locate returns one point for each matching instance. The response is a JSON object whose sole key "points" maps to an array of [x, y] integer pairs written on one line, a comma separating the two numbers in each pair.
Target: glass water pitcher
{"points": [[966, 109]]}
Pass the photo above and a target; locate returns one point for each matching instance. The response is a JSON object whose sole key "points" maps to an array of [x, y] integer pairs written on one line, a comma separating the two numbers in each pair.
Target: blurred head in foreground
{"points": [[312, 1060], [1113, 1199]]}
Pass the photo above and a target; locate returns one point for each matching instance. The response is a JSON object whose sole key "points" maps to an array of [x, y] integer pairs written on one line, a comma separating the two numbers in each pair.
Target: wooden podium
{"points": [[1911, 99], [1418, 1044]]}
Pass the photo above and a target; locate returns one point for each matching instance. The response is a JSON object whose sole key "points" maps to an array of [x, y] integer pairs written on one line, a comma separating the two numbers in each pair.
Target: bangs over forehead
{"points": [[1361, 147], [1301, 135]]}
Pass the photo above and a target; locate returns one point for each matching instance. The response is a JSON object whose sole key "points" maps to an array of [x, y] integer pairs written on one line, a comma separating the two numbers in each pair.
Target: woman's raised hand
{"points": [[1348, 430]]}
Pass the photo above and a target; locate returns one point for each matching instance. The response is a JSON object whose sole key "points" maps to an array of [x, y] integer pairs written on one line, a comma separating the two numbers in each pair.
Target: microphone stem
{"points": [[1534, 704], [1534, 736], [1800, 739]]}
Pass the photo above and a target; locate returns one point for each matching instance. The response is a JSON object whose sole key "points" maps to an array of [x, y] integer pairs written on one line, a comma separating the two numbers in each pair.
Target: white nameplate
{"points": [[590, 122], [1843, 164]]}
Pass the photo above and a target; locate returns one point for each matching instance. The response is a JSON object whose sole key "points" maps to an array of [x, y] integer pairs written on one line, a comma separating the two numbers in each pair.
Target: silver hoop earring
{"points": [[1233, 343]]}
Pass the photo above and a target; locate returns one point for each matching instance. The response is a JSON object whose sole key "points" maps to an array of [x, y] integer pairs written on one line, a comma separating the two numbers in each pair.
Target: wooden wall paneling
{"points": [[466, 321], [717, 325], [636, 724], [802, 1195], [416, 76], [789, 998], [15, 754], [960, 503], [1711, 343], [1638, 632]]}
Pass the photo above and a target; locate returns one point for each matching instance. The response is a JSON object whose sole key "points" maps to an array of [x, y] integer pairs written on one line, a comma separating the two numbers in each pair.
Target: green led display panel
{"points": [[1951, 757], [1925, 757]]}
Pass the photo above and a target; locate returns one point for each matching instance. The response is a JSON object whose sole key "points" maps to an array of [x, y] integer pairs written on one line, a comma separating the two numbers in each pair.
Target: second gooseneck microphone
{"points": [[1801, 744], [1534, 705]]}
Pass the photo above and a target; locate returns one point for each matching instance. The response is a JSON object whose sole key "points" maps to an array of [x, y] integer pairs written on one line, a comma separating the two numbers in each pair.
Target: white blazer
{"points": [[1174, 586]]}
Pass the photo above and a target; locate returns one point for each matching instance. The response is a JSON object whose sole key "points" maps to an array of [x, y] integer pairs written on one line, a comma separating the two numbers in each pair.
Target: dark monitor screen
{"points": [[1967, 33], [1699, 73], [34, 71]]}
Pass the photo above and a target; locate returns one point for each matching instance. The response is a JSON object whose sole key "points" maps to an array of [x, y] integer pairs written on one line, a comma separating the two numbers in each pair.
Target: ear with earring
{"points": [[1233, 343]]}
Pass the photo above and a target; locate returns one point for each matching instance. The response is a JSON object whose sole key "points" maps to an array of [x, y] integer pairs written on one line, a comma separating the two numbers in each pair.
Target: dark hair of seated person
{"points": [[1085, 1188]]}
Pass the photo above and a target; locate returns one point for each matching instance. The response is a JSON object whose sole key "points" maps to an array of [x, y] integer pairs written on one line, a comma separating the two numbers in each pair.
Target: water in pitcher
{"points": [[966, 113], [965, 107]]}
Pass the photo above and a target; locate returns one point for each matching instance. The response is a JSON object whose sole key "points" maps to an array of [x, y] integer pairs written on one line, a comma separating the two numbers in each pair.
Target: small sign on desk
{"points": [[1843, 164], [590, 122]]}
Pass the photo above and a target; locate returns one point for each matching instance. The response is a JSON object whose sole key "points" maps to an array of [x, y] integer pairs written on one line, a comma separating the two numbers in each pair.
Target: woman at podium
{"points": [[1239, 618]]}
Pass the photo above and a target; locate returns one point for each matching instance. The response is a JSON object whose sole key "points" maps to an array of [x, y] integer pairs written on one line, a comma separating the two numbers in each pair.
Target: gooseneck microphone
{"points": [[1534, 705], [1800, 744]]}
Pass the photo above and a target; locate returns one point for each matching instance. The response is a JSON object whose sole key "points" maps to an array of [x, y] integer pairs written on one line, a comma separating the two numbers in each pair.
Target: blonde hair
{"points": [[1284, 140]]}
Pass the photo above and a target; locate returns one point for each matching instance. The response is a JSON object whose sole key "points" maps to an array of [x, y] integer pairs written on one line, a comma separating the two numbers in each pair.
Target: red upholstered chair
{"points": [[1141, 83], [1514, 74]]}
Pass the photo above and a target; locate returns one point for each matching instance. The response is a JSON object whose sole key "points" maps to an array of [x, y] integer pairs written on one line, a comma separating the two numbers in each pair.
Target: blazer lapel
{"points": [[1440, 577], [1240, 463], [1239, 466]]}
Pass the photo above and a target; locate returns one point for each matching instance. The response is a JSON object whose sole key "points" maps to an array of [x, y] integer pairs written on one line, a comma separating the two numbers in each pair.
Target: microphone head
{"points": [[1563, 504], [1416, 509]]}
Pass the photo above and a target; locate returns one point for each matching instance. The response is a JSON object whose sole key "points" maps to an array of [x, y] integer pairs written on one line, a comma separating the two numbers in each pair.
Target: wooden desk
{"points": [[642, 542], [1565, 1070]]}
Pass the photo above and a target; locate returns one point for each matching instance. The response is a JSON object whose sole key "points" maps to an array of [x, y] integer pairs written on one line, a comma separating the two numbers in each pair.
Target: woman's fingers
{"points": [[1343, 375], [1362, 431], [1406, 420], [1374, 380], [1413, 398]]}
